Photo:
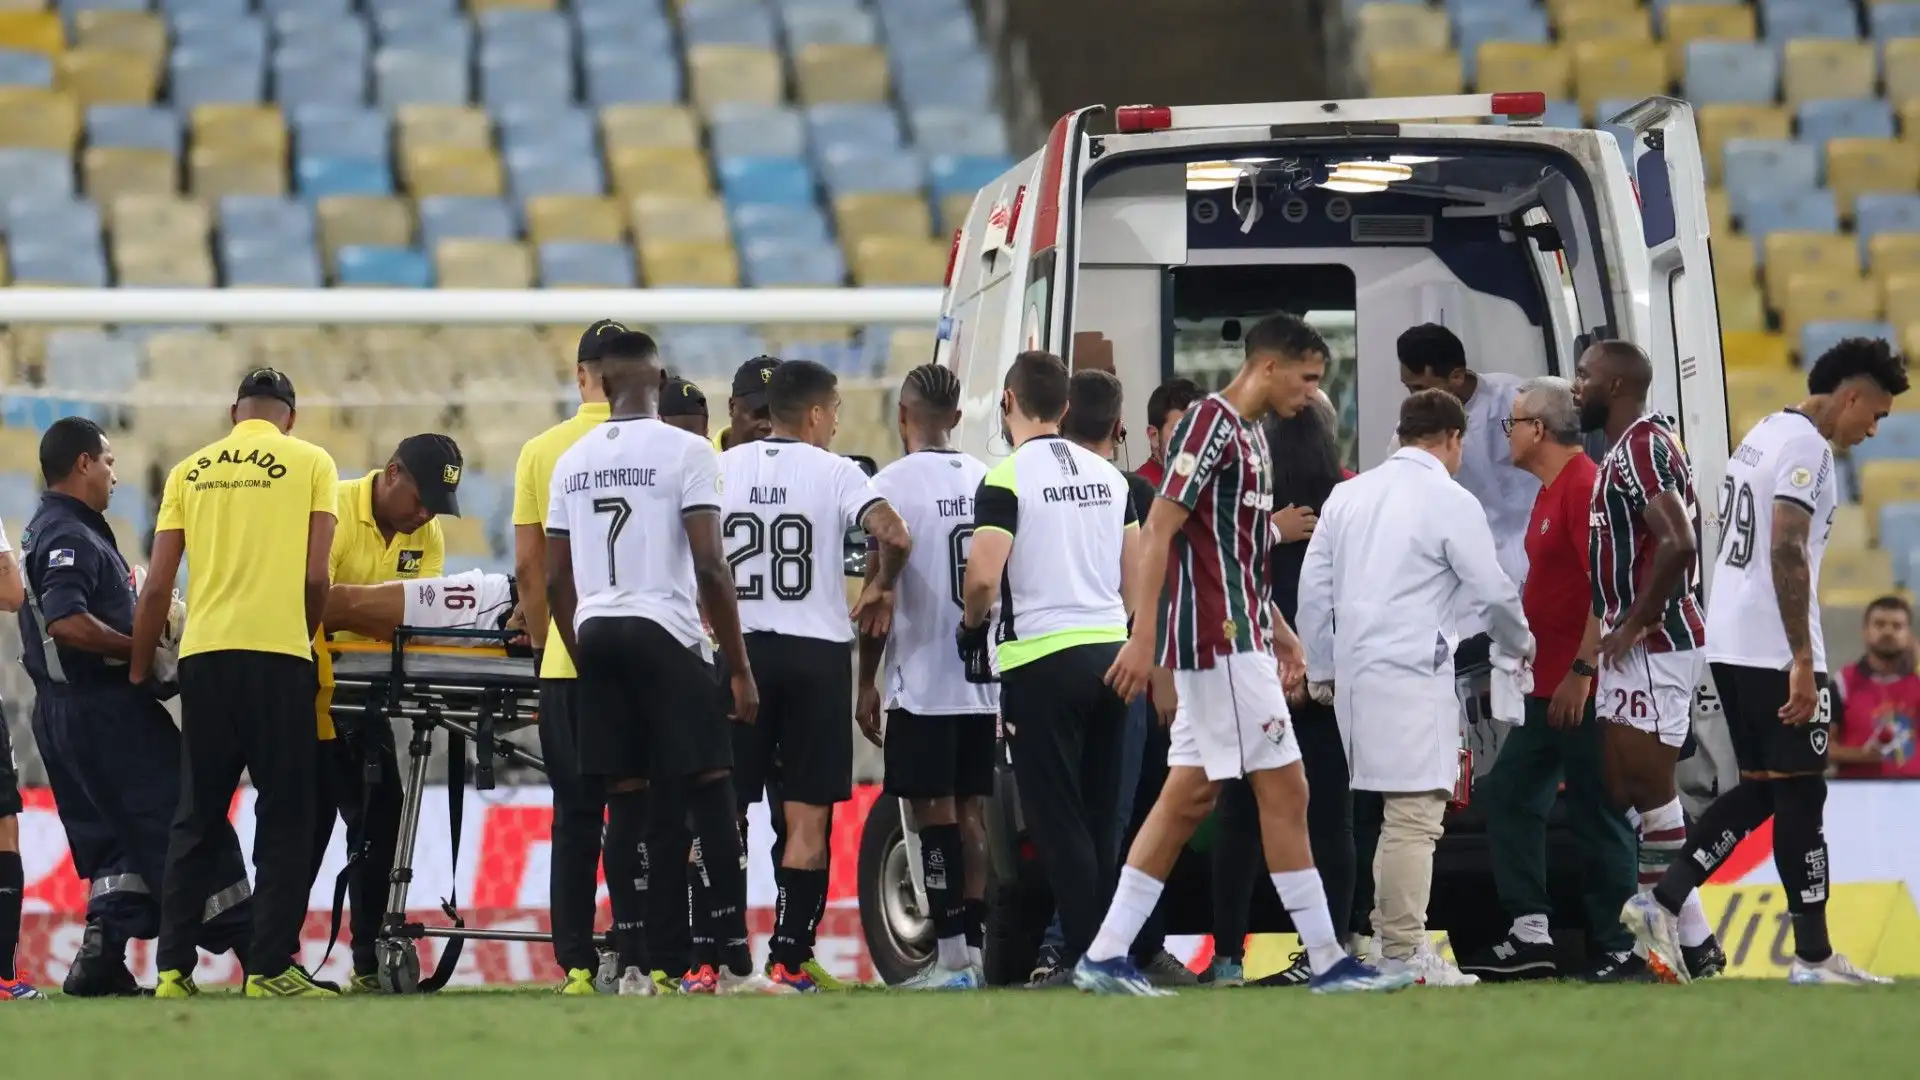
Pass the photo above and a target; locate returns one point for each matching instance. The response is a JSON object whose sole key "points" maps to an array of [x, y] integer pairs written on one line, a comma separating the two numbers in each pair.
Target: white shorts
{"points": [[1651, 692], [1232, 718], [474, 600]]}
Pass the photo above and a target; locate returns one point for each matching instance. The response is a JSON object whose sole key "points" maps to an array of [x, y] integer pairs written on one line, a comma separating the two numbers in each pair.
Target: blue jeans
{"points": [[1132, 752]]}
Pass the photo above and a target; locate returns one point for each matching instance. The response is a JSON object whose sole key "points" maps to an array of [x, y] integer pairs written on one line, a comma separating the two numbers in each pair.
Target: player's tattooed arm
{"points": [[1792, 574], [889, 532]]}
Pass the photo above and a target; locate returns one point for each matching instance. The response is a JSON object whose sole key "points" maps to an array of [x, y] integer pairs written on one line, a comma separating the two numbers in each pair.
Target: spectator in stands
{"points": [[1879, 702]]}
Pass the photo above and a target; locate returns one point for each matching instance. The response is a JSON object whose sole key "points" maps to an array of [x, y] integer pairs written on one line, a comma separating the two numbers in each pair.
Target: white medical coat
{"points": [[1401, 559]]}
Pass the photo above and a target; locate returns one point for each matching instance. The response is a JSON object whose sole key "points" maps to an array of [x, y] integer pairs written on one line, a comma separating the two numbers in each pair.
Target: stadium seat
{"points": [[410, 77], [960, 131], [41, 119], [1755, 349], [743, 73], [575, 219], [1540, 66], [1902, 70], [1890, 253], [1759, 167], [1819, 68], [1900, 298], [1414, 72], [32, 31], [164, 267], [241, 126], [1776, 210], [744, 130], [766, 180], [689, 264], [483, 264], [889, 260], [276, 268], [1617, 68], [1720, 123], [1818, 337], [134, 127], [1858, 167], [678, 217], [658, 170], [787, 263], [302, 77], [955, 174], [1887, 482], [792, 221], [537, 172], [1732, 72], [963, 80], [614, 78], [1862, 118], [343, 132], [719, 22], [266, 218], [383, 267], [1884, 213], [1827, 297], [852, 171], [860, 215], [1586, 22], [648, 125], [134, 30], [1685, 23], [1790, 252], [564, 131], [468, 217], [1401, 26], [319, 176], [35, 174], [828, 25], [51, 221], [586, 264], [216, 171], [110, 76], [363, 219], [108, 173], [863, 126], [453, 170], [1846, 570], [197, 77]]}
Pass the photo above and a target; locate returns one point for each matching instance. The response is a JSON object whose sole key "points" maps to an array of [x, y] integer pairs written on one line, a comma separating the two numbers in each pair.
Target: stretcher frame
{"points": [[473, 694]]}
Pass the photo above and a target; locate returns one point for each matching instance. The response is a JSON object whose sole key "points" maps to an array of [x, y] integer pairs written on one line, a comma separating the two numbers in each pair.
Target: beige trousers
{"points": [[1403, 871]]}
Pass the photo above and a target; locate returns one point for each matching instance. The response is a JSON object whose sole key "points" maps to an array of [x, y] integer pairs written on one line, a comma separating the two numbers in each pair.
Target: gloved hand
{"points": [[975, 653], [1321, 692], [166, 656]]}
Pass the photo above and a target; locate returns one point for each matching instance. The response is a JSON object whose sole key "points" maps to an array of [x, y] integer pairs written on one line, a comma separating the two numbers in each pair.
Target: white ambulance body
{"points": [[1138, 248]]}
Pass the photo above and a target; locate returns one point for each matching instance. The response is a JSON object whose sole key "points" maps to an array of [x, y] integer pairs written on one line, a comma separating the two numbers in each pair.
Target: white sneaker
{"points": [[751, 983], [1432, 969], [936, 977], [637, 983], [1657, 930], [1835, 970]]}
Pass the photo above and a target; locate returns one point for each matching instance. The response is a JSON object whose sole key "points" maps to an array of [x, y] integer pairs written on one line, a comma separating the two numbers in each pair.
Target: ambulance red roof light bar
{"points": [[1138, 119]]}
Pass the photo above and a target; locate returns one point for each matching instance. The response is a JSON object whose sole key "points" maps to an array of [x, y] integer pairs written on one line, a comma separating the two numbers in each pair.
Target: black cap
{"points": [[434, 463], [681, 398], [591, 341], [750, 382], [266, 382]]}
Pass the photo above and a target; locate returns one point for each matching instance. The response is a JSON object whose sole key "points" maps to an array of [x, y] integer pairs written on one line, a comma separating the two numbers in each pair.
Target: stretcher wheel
{"points": [[399, 967]]}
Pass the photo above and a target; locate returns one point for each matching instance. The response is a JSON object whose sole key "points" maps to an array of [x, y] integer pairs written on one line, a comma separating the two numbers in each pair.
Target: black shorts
{"points": [[936, 757], [1762, 742], [647, 707], [803, 738], [10, 804]]}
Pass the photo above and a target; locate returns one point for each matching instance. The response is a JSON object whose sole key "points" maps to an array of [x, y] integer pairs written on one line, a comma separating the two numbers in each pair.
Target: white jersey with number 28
{"points": [[1783, 458], [788, 507], [618, 498], [932, 490]]}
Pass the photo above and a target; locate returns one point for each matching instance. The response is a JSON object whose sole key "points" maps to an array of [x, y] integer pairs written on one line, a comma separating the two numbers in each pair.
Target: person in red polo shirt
{"points": [[1879, 700], [1560, 739]]}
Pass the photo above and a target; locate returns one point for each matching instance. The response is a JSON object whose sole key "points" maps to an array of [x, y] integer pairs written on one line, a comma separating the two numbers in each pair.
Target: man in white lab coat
{"points": [[1399, 561]]}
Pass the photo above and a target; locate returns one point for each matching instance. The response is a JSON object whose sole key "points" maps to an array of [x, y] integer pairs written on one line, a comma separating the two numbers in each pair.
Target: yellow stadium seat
{"points": [[690, 264], [1845, 570], [453, 170], [109, 172], [649, 125], [1909, 114], [1741, 306], [1818, 297], [1883, 482], [1890, 253], [158, 220], [1686, 23], [1755, 349], [825, 73], [1547, 68], [1910, 345], [908, 348], [191, 359], [110, 76], [743, 73], [1413, 72], [1718, 123], [954, 210], [593, 218], [1903, 71], [1900, 296], [38, 119], [135, 31], [1733, 260], [1850, 529], [483, 264], [363, 219], [170, 266], [466, 537], [217, 172], [443, 125], [1857, 599], [1604, 22], [899, 260], [1617, 68], [1861, 166], [1559, 8], [1719, 214], [1401, 26], [659, 170], [679, 217], [856, 216], [1792, 252], [256, 127], [32, 31], [1827, 68]]}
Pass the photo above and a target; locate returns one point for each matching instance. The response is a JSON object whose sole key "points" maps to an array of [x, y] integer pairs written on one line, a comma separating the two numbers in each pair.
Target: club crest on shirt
{"points": [[613, 432], [1184, 464], [1275, 730], [1819, 740], [1228, 629], [1800, 478], [408, 562], [59, 557]]}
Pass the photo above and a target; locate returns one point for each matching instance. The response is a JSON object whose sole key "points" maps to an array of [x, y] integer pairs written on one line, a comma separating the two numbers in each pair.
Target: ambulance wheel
{"points": [[399, 966]]}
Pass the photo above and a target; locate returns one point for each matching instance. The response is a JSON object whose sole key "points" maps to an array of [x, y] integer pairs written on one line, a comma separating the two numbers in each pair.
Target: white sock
{"points": [[1532, 929], [1633, 819], [953, 953], [1305, 898], [1133, 902], [1694, 930], [976, 957]]}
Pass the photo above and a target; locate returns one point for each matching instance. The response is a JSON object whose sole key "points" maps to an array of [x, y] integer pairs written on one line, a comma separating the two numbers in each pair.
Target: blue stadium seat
{"points": [[1756, 167], [332, 9], [386, 8], [945, 25], [276, 266], [1887, 21], [1460, 9], [709, 351], [53, 222], [606, 266], [1898, 438], [1784, 22], [939, 77], [776, 221], [341, 131], [1777, 210], [743, 130], [390, 267], [134, 127], [868, 127], [318, 177], [965, 174], [36, 174], [725, 22], [334, 33], [766, 180], [616, 77], [1731, 71], [427, 33], [847, 171], [828, 25], [647, 28], [546, 32], [301, 77], [1480, 25], [771, 262], [185, 10], [1899, 524], [959, 131], [509, 77], [1881, 212], [265, 217], [90, 360], [203, 78], [19, 68], [465, 217], [81, 266], [535, 171], [1839, 118], [1817, 337], [1560, 114], [407, 77], [566, 130], [243, 35]]}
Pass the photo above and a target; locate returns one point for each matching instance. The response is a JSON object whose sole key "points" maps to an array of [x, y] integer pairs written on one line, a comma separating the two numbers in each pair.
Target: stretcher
{"points": [[474, 694]]}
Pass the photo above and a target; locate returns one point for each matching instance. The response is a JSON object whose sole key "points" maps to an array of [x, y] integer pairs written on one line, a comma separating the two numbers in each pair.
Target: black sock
{"points": [[974, 912], [1711, 839], [720, 874], [625, 857], [13, 882], [802, 895], [699, 890], [669, 939], [940, 861], [1800, 856]]}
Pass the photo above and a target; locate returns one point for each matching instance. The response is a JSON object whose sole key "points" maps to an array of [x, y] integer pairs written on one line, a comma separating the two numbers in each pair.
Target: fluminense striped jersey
{"points": [[1218, 468], [1646, 461]]}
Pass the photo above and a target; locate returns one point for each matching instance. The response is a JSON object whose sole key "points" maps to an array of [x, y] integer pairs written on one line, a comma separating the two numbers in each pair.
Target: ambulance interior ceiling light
{"points": [[1215, 175], [1353, 187]]}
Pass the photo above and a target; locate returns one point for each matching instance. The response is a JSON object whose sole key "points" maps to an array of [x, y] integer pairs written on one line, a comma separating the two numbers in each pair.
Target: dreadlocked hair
{"points": [[937, 386]]}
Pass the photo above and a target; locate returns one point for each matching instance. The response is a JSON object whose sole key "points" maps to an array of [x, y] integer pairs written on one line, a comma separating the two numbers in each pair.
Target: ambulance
{"points": [[1149, 250]]}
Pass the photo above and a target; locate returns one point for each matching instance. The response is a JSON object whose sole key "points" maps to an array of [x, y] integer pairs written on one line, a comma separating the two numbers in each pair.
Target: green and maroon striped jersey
{"points": [[1216, 593], [1646, 461]]}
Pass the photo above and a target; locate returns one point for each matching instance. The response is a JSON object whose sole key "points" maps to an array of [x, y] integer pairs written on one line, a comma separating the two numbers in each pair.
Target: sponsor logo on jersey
{"points": [[426, 595], [1800, 477], [409, 562], [1184, 464], [450, 475]]}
